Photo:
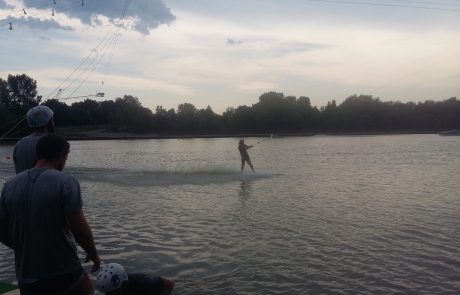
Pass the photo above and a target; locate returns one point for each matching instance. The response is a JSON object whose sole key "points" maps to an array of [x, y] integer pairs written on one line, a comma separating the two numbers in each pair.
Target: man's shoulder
{"points": [[34, 173], [16, 178], [48, 175], [61, 175], [11, 184], [29, 139]]}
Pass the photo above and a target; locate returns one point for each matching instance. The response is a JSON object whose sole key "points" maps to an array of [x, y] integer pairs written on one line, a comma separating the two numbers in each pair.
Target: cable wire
{"points": [[107, 42]]}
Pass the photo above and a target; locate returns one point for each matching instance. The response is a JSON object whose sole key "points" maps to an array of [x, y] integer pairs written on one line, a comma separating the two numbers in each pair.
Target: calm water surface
{"points": [[321, 215]]}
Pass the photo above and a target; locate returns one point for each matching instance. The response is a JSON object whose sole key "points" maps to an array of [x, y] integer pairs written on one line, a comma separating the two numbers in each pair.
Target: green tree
{"points": [[163, 120], [87, 112], [21, 94], [62, 113], [4, 97], [131, 115], [208, 121]]}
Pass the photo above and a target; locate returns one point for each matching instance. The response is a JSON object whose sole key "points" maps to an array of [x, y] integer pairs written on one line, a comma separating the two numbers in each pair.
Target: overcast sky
{"points": [[227, 53]]}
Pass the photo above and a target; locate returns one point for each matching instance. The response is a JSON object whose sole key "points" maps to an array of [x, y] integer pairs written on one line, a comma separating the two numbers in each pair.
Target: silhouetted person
{"points": [[243, 148], [42, 220], [40, 119]]}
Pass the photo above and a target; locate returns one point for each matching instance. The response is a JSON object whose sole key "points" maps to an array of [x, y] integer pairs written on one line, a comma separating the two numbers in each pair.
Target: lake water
{"points": [[321, 215]]}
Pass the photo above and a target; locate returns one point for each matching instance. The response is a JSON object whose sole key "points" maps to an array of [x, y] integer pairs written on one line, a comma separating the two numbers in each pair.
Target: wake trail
{"points": [[165, 177]]}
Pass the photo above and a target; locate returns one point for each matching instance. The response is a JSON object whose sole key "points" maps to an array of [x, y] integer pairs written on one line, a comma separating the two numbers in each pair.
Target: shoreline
{"points": [[130, 136]]}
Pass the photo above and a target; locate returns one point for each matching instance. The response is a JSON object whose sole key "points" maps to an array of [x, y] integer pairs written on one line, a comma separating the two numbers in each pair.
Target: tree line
{"points": [[273, 113]]}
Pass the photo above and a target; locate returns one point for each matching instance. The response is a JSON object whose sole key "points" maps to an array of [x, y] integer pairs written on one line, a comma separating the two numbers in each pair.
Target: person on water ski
{"points": [[243, 148]]}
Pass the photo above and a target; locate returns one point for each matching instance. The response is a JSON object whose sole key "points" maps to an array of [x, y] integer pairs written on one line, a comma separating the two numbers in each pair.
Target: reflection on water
{"points": [[331, 215], [245, 190]]}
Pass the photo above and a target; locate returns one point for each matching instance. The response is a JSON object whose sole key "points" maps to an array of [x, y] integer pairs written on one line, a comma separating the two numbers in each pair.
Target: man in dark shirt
{"points": [[41, 219], [40, 120]]}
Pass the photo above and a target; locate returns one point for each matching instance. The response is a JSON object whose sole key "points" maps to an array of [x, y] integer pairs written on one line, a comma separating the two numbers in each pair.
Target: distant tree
{"points": [[163, 120], [62, 112], [360, 113], [21, 94], [451, 114], [186, 119], [330, 116], [273, 113], [129, 113], [306, 117], [131, 101], [228, 121], [270, 113], [4, 113], [87, 112], [4, 96], [109, 114], [7, 119], [243, 119], [186, 109], [278, 113], [208, 121]]}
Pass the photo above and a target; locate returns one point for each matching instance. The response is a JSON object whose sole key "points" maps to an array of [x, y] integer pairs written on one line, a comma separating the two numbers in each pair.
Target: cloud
{"points": [[231, 41], [296, 47], [258, 86], [36, 23], [4, 5], [145, 14], [211, 59]]}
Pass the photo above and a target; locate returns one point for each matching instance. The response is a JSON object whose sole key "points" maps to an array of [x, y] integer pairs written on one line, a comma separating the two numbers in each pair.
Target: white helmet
{"points": [[110, 277], [39, 116]]}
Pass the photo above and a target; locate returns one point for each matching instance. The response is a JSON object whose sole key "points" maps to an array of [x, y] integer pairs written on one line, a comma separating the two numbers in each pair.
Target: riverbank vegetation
{"points": [[274, 113]]}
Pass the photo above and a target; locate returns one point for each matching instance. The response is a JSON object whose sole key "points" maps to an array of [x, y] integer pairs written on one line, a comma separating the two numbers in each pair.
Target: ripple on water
{"points": [[340, 215]]}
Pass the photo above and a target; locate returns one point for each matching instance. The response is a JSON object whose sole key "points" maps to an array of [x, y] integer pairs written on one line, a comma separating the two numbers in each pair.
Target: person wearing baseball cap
{"points": [[40, 120]]}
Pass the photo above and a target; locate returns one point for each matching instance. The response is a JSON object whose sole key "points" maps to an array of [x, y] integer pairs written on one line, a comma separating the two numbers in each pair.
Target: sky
{"points": [[227, 53]]}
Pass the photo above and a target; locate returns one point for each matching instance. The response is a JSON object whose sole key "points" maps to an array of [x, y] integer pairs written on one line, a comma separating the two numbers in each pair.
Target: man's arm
{"points": [[4, 239], [83, 235], [14, 158], [4, 236]]}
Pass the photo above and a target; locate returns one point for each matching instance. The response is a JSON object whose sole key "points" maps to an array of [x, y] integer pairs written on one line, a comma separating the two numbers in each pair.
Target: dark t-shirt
{"points": [[24, 154], [141, 284]]}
